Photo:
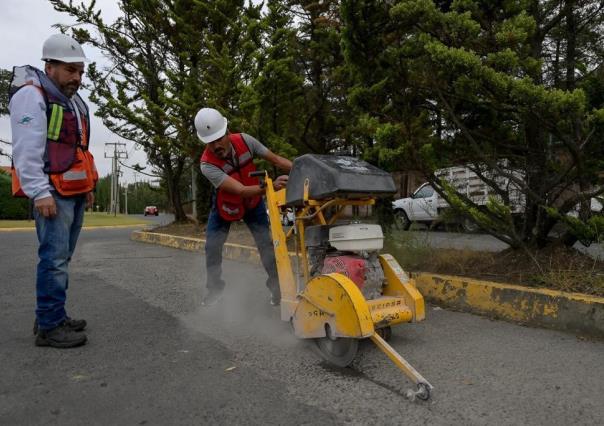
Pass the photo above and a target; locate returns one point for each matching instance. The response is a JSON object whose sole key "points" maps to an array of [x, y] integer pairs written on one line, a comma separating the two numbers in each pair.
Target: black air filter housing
{"points": [[336, 176]]}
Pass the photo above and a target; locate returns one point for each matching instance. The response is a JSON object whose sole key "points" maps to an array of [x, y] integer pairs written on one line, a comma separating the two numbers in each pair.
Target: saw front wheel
{"points": [[339, 351]]}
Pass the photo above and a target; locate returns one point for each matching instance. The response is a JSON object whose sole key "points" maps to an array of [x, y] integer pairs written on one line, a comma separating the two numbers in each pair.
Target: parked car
{"points": [[151, 210], [426, 206]]}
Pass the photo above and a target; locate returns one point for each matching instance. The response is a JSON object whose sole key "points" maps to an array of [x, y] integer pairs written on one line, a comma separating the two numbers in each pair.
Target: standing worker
{"points": [[227, 162], [53, 166]]}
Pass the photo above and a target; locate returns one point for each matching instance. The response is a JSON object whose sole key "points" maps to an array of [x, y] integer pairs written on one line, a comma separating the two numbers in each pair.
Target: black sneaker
{"points": [[73, 324], [60, 337], [212, 298]]}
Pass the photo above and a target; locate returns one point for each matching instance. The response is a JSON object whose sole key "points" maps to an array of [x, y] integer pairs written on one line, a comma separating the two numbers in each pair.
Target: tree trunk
{"points": [[571, 44], [176, 200], [203, 197], [172, 178]]}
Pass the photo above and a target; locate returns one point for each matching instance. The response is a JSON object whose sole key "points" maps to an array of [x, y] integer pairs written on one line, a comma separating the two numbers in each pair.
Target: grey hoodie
{"points": [[29, 127]]}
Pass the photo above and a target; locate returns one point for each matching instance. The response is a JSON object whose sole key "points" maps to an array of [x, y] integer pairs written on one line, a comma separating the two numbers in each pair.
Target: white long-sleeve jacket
{"points": [[29, 133], [28, 125]]}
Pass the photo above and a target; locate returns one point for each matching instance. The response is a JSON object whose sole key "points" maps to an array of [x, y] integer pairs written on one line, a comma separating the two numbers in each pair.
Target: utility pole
{"points": [[126, 199], [118, 152], [112, 185], [118, 197]]}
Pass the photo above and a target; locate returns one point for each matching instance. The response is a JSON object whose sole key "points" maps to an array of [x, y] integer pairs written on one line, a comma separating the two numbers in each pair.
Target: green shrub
{"points": [[11, 207]]}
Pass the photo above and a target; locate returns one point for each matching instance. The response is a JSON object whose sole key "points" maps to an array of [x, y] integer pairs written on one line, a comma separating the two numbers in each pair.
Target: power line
{"points": [[138, 170]]}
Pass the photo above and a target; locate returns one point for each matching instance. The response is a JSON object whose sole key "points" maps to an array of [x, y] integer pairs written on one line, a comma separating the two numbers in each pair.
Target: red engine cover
{"points": [[351, 266]]}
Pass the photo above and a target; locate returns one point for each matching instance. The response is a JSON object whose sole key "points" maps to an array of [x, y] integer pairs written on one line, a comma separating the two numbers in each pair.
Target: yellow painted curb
{"points": [[30, 228], [558, 310], [33, 228], [230, 251], [538, 307]]}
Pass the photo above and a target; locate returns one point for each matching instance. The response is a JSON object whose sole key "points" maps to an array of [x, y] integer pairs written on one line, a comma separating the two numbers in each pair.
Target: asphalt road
{"points": [[155, 356], [161, 219], [479, 242]]}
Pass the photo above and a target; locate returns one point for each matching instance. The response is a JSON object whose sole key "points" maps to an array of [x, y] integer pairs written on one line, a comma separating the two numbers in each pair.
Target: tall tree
{"points": [[326, 113], [168, 59], [449, 83], [273, 101]]}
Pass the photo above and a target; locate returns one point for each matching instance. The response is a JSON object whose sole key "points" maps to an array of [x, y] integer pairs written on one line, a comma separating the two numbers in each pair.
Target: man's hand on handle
{"points": [[46, 206], [280, 182]]}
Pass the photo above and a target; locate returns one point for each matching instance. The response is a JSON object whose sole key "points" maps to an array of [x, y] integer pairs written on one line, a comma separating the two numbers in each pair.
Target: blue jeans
{"points": [[57, 237], [217, 232]]}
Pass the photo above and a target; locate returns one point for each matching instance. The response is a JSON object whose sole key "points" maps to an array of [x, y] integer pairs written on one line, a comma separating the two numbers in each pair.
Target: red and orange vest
{"points": [[231, 206], [67, 161]]}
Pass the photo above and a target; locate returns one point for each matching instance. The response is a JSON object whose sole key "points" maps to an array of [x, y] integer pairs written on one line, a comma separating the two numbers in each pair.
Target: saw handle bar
{"points": [[260, 174]]}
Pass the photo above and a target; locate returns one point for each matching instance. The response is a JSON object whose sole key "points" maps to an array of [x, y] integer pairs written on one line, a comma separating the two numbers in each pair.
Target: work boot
{"points": [[60, 337], [212, 298], [74, 324]]}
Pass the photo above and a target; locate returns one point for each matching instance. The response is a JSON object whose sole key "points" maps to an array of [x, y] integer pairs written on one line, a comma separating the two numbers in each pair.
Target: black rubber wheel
{"points": [[402, 220], [423, 392]]}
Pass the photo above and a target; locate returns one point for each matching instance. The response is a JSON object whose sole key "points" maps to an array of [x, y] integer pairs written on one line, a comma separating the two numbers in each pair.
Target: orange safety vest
{"points": [[68, 162], [231, 206]]}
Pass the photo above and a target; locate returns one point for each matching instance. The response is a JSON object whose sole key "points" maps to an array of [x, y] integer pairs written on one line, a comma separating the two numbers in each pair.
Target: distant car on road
{"points": [[151, 210]]}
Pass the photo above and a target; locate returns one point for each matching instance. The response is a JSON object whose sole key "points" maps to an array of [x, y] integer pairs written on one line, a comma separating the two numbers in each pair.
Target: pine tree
{"points": [[168, 59], [466, 83], [272, 103]]}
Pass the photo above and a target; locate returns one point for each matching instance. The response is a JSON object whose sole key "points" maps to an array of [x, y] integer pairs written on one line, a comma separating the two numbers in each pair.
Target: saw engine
{"points": [[351, 250]]}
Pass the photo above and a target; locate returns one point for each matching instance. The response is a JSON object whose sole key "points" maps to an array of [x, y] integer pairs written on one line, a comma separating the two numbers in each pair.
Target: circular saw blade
{"points": [[340, 351]]}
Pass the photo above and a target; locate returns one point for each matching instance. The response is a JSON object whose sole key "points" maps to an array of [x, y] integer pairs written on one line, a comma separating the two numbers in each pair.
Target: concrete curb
{"points": [[231, 251], [536, 307], [33, 227]]}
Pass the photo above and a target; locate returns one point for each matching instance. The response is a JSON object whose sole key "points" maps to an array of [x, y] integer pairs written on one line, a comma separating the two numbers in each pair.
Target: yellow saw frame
{"points": [[331, 306]]}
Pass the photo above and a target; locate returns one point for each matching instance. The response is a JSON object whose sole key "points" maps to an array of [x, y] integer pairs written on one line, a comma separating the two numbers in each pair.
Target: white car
{"points": [[421, 206], [425, 206]]}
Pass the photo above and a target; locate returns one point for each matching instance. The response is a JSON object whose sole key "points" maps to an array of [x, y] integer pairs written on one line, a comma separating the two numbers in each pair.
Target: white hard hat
{"points": [[62, 48], [210, 125]]}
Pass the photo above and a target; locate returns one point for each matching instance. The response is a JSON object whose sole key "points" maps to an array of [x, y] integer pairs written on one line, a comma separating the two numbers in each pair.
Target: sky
{"points": [[24, 25]]}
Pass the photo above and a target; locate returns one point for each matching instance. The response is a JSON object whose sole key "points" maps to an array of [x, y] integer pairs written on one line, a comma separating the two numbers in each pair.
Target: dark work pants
{"points": [[217, 232]]}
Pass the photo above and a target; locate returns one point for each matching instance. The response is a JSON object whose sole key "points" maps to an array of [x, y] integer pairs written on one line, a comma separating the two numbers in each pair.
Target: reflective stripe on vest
{"points": [[242, 159], [232, 212], [246, 156], [71, 175], [55, 122]]}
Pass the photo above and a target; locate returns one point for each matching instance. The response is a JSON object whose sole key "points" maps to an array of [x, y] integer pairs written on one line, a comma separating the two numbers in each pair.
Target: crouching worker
{"points": [[53, 166], [227, 162]]}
